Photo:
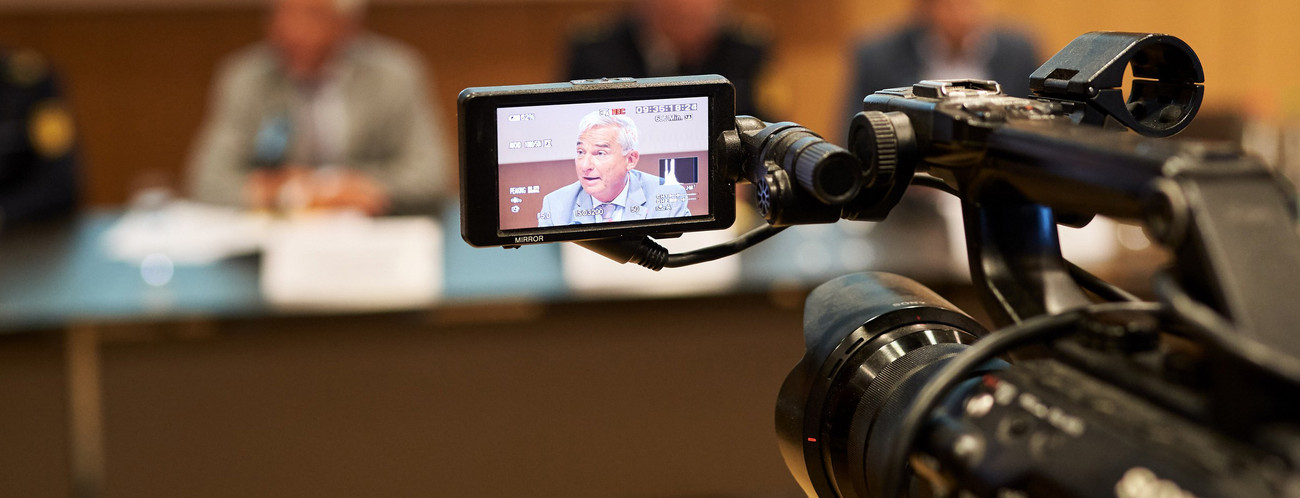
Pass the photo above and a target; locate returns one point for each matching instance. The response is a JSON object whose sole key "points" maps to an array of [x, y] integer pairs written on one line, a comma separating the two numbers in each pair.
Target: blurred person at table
{"points": [[321, 114], [38, 160], [945, 39], [673, 38]]}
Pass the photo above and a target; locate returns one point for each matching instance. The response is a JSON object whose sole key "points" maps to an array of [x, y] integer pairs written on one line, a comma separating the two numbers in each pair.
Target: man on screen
{"points": [[609, 188]]}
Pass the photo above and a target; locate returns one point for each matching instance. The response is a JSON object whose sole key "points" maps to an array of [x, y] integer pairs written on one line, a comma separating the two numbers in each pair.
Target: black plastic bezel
{"points": [[476, 113]]}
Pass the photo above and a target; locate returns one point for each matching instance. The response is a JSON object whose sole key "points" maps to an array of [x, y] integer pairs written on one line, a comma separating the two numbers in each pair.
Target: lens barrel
{"points": [[872, 340]]}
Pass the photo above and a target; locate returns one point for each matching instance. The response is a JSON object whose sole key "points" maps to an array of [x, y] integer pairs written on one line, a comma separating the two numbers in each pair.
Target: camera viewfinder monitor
{"points": [[594, 159]]}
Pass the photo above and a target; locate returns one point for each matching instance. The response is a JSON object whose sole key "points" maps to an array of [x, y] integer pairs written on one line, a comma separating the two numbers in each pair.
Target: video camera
{"points": [[1082, 389]]}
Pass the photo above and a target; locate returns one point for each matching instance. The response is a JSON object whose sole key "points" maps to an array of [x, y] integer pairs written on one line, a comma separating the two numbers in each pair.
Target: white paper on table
{"points": [[1095, 243], [353, 263], [588, 272], [187, 233]]}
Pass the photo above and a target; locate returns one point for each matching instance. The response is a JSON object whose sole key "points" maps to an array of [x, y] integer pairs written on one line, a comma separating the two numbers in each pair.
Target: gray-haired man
{"points": [[321, 114], [609, 188]]}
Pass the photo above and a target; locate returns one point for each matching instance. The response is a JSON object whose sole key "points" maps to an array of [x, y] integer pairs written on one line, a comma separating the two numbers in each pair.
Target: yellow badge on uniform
{"points": [[50, 129]]}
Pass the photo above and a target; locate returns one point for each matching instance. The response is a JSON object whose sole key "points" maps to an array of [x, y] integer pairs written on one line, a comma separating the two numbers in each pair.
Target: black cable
{"points": [[724, 249], [934, 183], [1096, 285], [630, 249], [646, 252], [1032, 330], [1209, 326]]}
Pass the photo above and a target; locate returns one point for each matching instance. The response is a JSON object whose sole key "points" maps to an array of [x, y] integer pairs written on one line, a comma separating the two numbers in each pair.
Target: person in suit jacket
{"points": [[673, 38], [946, 39], [609, 188], [321, 114]]}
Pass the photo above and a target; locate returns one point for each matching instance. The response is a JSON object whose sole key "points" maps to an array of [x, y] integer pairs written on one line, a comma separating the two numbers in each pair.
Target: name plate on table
{"points": [[352, 263], [588, 272]]}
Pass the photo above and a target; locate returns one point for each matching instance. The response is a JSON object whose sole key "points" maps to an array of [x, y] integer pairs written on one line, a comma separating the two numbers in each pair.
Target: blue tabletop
{"points": [[59, 273]]}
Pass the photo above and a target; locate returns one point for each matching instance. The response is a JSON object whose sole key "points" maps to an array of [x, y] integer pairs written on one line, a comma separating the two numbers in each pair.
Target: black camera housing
{"points": [[486, 200]]}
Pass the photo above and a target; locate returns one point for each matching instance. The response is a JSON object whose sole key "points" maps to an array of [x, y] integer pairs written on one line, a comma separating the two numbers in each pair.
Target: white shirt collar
{"points": [[939, 61]]}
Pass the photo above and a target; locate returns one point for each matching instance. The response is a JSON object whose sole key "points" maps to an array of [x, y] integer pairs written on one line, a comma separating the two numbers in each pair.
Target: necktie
{"points": [[607, 211]]}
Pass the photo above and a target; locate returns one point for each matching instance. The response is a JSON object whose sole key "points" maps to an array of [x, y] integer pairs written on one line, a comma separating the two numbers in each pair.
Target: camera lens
{"points": [[872, 342], [873, 406], [828, 172]]}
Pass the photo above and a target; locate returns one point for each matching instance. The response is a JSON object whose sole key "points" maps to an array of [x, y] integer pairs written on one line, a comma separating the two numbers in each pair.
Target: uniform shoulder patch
{"points": [[50, 129]]}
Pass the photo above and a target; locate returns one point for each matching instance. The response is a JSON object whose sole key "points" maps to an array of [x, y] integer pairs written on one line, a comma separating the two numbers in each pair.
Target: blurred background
{"points": [[518, 374], [138, 71]]}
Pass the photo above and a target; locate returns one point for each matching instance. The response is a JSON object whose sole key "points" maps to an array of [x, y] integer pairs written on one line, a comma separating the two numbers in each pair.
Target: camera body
{"points": [[517, 148], [900, 392]]}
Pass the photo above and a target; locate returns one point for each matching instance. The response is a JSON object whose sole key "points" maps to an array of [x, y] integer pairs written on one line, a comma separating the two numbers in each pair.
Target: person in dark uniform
{"points": [[673, 38], [38, 160]]}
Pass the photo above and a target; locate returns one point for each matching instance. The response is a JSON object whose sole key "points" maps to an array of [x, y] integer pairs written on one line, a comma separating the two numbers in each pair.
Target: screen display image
{"points": [[602, 162]]}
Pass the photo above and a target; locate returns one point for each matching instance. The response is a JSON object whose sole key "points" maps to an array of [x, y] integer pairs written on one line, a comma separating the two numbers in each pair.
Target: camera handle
{"points": [[1089, 72], [1171, 187], [1015, 175]]}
